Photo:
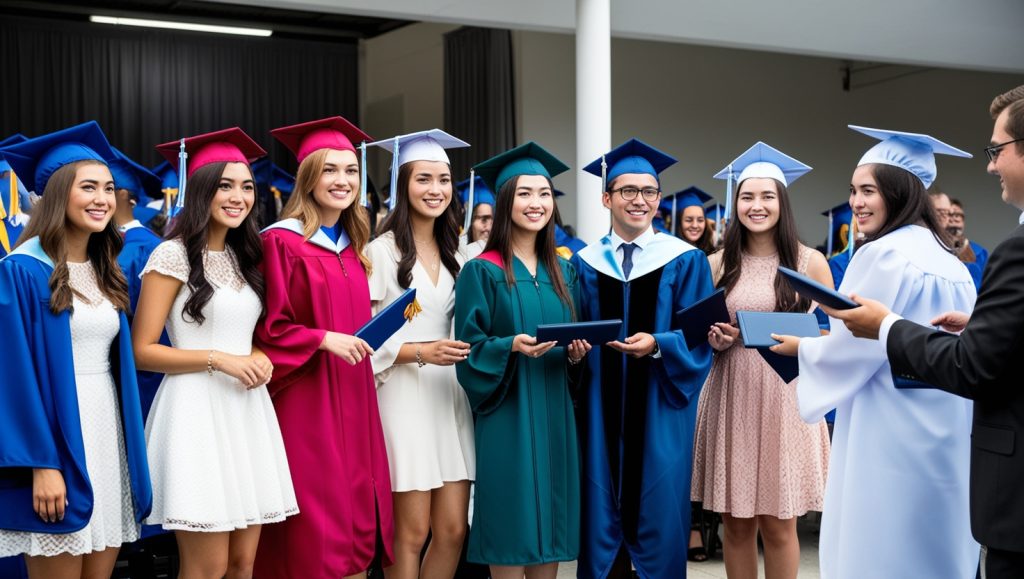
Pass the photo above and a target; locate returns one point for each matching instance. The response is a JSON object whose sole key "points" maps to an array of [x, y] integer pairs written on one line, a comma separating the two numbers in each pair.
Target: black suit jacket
{"points": [[986, 364]]}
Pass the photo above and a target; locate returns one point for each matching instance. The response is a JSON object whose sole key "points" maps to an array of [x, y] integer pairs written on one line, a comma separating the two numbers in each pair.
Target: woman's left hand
{"points": [[790, 345], [578, 350]]}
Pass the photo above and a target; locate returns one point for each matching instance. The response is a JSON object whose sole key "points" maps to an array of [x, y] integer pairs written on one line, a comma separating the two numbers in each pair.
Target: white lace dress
{"points": [[94, 327], [216, 457]]}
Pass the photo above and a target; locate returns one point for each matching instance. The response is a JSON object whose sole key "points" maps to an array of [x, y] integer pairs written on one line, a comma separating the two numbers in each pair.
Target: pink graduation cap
{"points": [[330, 133], [224, 146]]}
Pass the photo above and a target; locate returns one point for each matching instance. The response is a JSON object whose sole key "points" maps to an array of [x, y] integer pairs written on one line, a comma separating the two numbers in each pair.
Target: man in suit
{"points": [[981, 363]]}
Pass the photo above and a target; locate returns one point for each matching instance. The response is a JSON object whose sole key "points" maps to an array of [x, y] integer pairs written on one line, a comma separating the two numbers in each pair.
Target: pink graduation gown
{"points": [[327, 410]]}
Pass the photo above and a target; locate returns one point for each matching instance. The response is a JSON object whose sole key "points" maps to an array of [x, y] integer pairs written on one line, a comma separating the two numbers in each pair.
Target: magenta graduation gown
{"points": [[327, 410]]}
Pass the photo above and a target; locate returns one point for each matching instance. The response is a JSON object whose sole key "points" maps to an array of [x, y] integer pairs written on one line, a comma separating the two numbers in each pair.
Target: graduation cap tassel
{"points": [[604, 174], [728, 194], [468, 221], [850, 236], [393, 197], [15, 193], [364, 196], [182, 174]]}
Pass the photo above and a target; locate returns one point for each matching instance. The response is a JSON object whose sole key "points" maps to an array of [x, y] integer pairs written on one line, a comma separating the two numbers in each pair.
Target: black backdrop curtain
{"points": [[479, 96], [147, 86]]}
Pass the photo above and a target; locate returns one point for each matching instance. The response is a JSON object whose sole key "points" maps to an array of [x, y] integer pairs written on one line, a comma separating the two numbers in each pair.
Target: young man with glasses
{"points": [[982, 362], [638, 407]]}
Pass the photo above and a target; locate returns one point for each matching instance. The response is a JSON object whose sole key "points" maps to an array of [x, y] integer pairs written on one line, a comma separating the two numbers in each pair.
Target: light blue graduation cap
{"points": [[422, 146], [137, 179], [526, 159], [839, 216], [680, 200], [912, 152], [35, 160], [760, 161], [632, 157]]}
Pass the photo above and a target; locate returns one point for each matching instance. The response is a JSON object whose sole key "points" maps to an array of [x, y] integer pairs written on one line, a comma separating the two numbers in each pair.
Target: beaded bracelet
{"points": [[209, 364], [419, 359]]}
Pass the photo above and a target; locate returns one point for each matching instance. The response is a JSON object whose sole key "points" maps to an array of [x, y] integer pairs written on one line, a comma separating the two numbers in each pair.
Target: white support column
{"points": [[593, 111]]}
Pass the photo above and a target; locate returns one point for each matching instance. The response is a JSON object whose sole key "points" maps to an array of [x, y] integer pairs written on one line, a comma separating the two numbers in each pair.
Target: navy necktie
{"points": [[627, 258]]}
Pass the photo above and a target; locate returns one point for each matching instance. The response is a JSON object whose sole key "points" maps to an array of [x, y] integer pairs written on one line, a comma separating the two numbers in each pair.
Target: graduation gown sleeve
{"points": [[681, 372], [489, 370], [288, 343]]}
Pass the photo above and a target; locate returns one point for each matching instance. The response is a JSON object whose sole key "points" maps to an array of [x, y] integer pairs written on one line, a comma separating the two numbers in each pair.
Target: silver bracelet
{"points": [[419, 359]]}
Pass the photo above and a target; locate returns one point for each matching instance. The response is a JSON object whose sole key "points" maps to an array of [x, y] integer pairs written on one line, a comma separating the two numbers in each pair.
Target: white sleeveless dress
{"points": [[216, 457], [94, 327]]}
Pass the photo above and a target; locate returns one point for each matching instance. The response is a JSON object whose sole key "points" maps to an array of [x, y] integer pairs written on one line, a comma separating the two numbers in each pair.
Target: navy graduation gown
{"points": [[39, 419], [638, 415]]}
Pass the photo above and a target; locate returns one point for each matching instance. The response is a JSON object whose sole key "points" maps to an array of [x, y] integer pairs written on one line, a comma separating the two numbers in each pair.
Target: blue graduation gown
{"points": [[977, 267], [563, 239], [139, 243], [39, 419], [838, 264], [637, 416]]}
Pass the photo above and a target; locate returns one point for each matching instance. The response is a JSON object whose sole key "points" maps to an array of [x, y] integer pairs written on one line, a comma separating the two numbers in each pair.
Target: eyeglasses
{"points": [[955, 215], [630, 193], [994, 150]]}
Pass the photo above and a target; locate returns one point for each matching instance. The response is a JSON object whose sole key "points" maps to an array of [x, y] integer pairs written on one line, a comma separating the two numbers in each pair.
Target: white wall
{"points": [[402, 86], [707, 105]]}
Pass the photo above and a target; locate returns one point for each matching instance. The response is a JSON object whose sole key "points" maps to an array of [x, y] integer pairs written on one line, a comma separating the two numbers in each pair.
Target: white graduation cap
{"points": [[421, 146], [912, 152]]}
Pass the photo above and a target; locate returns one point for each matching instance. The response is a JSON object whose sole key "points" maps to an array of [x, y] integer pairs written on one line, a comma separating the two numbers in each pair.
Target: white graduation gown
{"points": [[896, 500]]}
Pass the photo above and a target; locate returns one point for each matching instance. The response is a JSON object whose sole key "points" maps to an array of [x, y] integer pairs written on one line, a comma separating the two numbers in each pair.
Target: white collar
{"points": [[134, 223], [319, 238], [1020, 219], [642, 240]]}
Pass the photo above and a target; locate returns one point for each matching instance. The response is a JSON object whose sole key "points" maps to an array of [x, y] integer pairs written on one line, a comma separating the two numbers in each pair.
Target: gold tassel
{"points": [[412, 310]]}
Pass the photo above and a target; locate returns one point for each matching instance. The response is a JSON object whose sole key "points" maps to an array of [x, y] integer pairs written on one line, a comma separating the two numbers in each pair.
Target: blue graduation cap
{"points": [[35, 160], [526, 159], [632, 157], [763, 160], [11, 187], [168, 177], [680, 200], [421, 146], [559, 193], [482, 194], [839, 217], [912, 152], [13, 140], [135, 178], [760, 161], [715, 211]]}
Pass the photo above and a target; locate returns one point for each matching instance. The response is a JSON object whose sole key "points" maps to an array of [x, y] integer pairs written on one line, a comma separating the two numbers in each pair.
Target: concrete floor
{"points": [[807, 529]]}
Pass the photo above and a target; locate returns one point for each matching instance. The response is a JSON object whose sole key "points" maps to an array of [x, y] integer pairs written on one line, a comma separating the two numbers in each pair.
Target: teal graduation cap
{"points": [[138, 180], [35, 160], [632, 157], [913, 152], [839, 216], [526, 159], [764, 161]]}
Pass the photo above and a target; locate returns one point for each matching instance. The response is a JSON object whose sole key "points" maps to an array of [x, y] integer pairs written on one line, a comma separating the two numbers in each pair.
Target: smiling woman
{"points": [[72, 498]]}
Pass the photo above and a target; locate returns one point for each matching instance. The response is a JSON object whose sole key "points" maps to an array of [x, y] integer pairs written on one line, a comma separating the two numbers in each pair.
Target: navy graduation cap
{"points": [[632, 157]]}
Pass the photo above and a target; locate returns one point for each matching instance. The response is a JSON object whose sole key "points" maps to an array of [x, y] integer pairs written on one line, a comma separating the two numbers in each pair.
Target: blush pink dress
{"points": [[753, 454]]}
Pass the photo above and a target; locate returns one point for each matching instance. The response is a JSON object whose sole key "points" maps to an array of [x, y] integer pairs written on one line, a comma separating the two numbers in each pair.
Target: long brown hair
{"points": [[906, 202], [500, 240], [302, 206], [399, 223], [49, 222], [787, 244], [192, 225]]}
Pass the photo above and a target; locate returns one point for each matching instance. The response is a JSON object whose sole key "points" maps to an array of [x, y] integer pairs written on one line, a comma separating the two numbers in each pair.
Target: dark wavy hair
{"points": [[399, 223], [787, 244], [192, 227], [49, 223], [906, 203], [500, 240]]}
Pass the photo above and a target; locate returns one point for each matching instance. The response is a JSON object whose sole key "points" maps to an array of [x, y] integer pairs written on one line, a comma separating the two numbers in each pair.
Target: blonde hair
{"points": [[304, 207]]}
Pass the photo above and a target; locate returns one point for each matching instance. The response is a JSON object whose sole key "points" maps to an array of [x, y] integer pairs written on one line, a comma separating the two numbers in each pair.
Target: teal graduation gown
{"points": [[527, 502]]}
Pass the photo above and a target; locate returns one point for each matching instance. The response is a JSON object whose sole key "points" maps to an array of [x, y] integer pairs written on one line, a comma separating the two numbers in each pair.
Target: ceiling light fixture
{"points": [[180, 26]]}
